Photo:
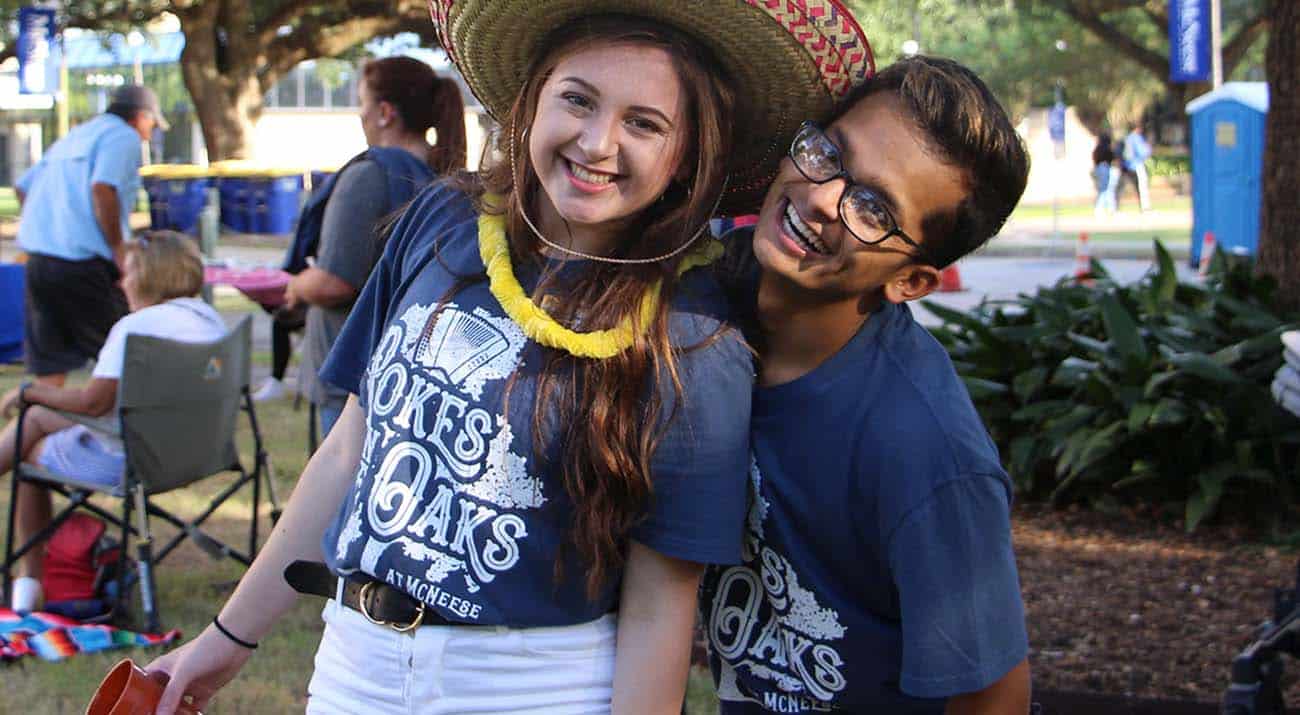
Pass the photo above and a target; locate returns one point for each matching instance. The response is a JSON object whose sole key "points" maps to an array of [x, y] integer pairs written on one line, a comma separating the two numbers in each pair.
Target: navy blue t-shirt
{"points": [[451, 504], [878, 571]]}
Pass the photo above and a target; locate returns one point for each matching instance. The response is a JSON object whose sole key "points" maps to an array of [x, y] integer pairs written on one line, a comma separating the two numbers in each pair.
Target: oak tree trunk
{"points": [[223, 85], [1279, 235]]}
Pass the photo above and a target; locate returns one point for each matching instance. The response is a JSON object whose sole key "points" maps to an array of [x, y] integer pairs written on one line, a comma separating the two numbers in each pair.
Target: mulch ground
{"points": [[1131, 605]]}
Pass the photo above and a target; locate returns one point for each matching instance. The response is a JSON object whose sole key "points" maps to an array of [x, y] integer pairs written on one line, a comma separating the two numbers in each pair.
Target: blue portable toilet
{"points": [[1227, 161]]}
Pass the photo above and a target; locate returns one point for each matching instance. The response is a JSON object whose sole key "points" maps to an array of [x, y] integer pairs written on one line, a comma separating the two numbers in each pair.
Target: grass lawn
{"points": [[192, 587], [1169, 236], [1085, 208], [8, 203]]}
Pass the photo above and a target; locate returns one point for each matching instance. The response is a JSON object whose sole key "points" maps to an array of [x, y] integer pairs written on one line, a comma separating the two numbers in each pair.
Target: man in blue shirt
{"points": [[878, 571], [75, 206]]}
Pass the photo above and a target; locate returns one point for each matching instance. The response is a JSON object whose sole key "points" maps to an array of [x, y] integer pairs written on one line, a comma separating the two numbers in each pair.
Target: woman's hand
{"points": [[9, 403], [291, 297], [197, 670]]}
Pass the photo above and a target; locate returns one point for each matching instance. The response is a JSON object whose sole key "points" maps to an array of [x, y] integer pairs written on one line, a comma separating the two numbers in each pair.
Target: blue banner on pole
{"points": [[36, 27], [1189, 40]]}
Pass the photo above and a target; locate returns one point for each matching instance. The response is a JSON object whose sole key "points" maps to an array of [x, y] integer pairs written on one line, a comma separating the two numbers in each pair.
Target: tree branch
{"points": [[236, 18], [326, 35], [1090, 18], [1235, 50], [285, 15], [314, 39], [98, 15], [1156, 16], [1101, 7]]}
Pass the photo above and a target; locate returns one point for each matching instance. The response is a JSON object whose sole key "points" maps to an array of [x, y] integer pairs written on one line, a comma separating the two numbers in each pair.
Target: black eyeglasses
{"points": [[862, 211]]}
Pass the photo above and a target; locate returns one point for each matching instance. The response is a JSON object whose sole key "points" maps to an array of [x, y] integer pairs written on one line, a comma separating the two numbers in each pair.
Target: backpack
{"points": [[80, 568], [406, 176]]}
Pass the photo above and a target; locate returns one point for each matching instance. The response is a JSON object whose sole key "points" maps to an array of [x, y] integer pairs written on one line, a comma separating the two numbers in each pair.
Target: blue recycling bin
{"points": [[154, 188], [234, 194], [275, 199], [11, 312], [234, 179], [187, 192], [318, 177], [1227, 165]]}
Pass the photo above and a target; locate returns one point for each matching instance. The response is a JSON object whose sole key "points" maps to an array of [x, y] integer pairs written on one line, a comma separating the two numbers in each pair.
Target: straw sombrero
{"points": [[789, 60]]}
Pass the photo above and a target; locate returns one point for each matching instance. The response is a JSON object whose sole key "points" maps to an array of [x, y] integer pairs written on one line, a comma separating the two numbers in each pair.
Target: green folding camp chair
{"points": [[177, 409]]}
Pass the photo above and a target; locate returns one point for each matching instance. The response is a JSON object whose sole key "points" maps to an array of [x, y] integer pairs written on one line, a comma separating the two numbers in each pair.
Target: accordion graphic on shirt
{"points": [[775, 643], [441, 491], [457, 344]]}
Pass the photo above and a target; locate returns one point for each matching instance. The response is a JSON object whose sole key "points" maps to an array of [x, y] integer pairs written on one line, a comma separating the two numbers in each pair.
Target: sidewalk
{"points": [[1033, 236], [987, 277]]}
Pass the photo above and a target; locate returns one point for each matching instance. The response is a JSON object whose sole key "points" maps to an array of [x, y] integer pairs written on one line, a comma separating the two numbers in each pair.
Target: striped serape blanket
{"points": [[51, 637]]}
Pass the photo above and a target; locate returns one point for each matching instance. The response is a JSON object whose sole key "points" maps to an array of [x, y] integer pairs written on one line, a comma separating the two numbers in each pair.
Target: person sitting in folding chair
{"points": [[162, 277]]}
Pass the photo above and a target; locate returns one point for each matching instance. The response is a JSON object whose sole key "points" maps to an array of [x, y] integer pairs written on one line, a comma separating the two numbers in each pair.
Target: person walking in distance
{"points": [[1135, 154], [1104, 174]]}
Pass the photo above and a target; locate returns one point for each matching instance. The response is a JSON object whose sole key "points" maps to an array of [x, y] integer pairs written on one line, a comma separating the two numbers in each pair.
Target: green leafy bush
{"points": [[1170, 164], [1155, 392]]}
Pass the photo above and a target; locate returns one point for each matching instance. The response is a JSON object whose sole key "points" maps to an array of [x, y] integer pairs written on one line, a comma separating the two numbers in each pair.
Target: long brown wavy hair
{"points": [[423, 100], [607, 414]]}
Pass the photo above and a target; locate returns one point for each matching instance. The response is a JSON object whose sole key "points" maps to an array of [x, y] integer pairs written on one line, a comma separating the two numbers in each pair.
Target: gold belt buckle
{"points": [[362, 597]]}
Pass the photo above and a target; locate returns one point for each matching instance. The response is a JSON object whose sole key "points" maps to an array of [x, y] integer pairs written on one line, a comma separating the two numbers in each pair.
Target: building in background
{"points": [[22, 126], [319, 99], [309, 121]]}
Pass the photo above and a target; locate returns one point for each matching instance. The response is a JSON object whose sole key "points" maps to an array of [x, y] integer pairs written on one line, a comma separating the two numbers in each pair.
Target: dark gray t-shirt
{"points": [[349, 248]]}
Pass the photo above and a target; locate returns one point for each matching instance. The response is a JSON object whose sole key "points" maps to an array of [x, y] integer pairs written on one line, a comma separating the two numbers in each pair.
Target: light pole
{"points": [[1056, 129], [1216, 43], [136, 41]]}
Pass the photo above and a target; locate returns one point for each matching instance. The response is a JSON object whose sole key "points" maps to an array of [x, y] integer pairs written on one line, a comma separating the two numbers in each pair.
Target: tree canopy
{"points": [[236, 50], [1111, 57]]}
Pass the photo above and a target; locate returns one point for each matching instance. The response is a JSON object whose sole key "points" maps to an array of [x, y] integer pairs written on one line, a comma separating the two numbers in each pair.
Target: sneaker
{"points": [[272, 389]]}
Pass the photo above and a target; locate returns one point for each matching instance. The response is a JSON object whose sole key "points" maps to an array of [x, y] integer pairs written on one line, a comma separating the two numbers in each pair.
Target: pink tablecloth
{"points": [[264, 286]]}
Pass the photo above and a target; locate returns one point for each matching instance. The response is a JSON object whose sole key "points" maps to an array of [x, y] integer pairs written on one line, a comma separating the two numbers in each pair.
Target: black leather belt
{"points": [[380, 603]]}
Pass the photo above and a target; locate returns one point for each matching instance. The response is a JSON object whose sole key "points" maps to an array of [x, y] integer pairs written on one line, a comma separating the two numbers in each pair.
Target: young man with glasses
{"points": [[878, 574]]}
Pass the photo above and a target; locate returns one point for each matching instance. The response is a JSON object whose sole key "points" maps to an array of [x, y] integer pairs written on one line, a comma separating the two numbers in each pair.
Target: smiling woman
{"points": [[604, 148]]}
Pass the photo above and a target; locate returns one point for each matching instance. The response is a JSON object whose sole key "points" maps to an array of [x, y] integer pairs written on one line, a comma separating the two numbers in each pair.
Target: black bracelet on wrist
{"points": [[234, 638]]}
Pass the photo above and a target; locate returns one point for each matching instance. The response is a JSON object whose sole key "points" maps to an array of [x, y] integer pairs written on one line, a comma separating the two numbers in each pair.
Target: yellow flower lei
{"points": [[540, 326]]}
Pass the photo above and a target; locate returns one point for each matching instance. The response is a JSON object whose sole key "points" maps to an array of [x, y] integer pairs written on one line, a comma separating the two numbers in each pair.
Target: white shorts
{"points": [[435, 670], [77, 452]]}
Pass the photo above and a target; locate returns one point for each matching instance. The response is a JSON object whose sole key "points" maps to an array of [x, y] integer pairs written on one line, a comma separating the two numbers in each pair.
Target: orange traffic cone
{"points": [[1208, 246], [950, 280], [1082, 260]]}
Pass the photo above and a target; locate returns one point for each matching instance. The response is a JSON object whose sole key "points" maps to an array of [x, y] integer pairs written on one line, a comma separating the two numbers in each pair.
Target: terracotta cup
{"points": [[128, 690]]}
